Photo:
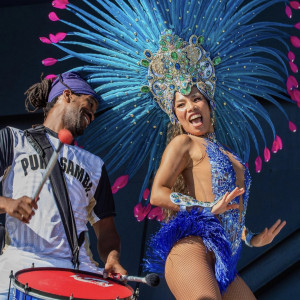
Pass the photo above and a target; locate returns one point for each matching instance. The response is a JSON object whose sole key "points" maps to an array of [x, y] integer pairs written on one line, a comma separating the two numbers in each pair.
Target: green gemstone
{"points": [[164, 49], [217, 60], [174, 55], [188, 90], [145, 89], [203, 68], [181, 78], [191, 69], [169, 76], [183, 92], [178, 45], [145, 62], [201, 39], [162, 43]]}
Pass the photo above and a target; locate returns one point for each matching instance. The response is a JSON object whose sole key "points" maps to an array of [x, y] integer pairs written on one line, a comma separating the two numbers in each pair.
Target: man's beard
{"points": [[73, 120]]}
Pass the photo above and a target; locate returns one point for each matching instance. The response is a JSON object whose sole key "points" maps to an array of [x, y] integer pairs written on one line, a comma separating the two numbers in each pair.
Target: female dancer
{"points": [[215, 176], [153, 62]]}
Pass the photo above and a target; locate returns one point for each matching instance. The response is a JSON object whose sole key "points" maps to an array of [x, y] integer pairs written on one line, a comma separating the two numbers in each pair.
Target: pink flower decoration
{"points": [[52, 77], [49, 61], [275, 147], [53, 16], [157, 213], [297, 25], [294, 81], [140, 211], [292, 126], [294, 67], [247, 165], [146, 194], [267, 154], [61, 4], [258, 164], [295, 4], [288, 12], [291, 83], [296, 94], [279, 142], [45, 40], [295, 41], [119, 183], [291, 56], [57, 37], [291, 93]]}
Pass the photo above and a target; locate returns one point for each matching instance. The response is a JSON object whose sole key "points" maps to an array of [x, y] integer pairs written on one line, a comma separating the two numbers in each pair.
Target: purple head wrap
{"points": [[74, 82]]}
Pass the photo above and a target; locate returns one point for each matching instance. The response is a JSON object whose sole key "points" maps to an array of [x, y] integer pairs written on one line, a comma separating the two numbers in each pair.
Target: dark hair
{"points": [[37, 97]]}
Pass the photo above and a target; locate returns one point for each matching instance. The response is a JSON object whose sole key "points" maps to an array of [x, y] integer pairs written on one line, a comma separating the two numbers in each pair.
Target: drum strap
{"points": [[37, 138]]}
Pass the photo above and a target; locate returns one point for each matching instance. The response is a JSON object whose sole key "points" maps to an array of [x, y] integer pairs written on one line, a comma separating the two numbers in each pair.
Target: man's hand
{"points": [[21, 208], [113, 266], [223, 205], [267, 235], [109, 246]]}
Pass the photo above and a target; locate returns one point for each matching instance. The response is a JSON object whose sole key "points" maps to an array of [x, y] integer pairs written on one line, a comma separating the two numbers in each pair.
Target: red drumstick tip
{"points": [[65, 136]]}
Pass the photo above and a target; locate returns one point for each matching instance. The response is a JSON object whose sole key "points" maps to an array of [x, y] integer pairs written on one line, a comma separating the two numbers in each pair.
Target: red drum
{"points": [[56, 283]]}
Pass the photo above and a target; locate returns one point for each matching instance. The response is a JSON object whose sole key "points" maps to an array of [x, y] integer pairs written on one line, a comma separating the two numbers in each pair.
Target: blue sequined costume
{"points": [[221, 235]]}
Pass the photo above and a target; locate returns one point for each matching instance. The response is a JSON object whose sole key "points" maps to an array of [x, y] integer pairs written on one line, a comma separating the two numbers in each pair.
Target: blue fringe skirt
{"points": [[193, 223]]}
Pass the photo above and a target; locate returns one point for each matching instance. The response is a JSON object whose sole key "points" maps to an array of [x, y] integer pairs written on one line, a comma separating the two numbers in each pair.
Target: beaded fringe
{"points": [[193, 223]]}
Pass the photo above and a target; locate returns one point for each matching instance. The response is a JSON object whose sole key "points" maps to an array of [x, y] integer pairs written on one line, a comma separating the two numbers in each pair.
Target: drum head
{"points": [[59, 283]]}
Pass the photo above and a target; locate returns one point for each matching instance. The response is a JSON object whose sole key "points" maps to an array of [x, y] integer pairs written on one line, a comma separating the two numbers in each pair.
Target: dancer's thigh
{"points": [[238, 290], [189, 271]]}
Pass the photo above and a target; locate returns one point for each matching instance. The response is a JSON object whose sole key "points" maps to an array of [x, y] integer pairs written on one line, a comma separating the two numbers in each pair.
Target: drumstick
{"points": [[151, 279], [65, 137]]}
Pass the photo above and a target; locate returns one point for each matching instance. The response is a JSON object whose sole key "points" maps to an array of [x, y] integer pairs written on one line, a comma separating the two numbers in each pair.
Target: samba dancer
{"points": [[34, 230], [206, 55]]}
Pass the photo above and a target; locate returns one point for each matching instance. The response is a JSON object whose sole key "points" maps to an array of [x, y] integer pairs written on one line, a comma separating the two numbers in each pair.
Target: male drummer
{"points": [[35, 231]]}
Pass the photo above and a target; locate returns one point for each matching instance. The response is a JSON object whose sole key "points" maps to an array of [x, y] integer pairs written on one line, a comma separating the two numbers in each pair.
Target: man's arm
{"points": [[108, 240], [109, 245], [21, 208]]}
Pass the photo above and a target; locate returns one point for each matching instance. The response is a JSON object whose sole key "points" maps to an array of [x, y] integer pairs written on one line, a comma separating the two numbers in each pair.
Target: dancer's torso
{"points": [[211, 172]]}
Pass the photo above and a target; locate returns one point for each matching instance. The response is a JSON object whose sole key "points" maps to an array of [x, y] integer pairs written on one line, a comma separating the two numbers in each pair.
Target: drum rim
{"points": [[45, 295]]}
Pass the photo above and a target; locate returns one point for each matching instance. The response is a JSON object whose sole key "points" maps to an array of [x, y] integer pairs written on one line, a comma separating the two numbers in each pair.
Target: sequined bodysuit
{"points": [[227, 172]]}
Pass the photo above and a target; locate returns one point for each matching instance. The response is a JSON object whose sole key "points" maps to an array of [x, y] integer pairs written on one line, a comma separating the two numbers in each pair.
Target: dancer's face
{"points": [[193, 112]]}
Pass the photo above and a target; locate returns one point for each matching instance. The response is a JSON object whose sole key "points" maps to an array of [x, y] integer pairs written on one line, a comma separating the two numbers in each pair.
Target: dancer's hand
{"points": [[267, 235], [223, 205]]}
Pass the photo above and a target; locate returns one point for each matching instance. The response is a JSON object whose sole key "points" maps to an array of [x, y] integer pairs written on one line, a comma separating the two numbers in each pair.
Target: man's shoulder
{"points": [[12, 130], [89, 155]]}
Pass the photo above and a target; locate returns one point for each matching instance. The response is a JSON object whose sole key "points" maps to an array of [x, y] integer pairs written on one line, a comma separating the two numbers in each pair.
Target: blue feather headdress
{"points": [[116, 34]]}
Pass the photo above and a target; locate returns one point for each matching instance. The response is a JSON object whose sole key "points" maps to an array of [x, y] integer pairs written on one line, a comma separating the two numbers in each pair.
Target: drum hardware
{"points": [[26, 289], [11, 276], [71, 297], [135, 294]]}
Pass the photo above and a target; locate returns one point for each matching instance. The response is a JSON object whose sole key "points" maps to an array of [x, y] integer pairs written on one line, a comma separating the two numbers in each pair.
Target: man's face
{"points": [[79, 113]]}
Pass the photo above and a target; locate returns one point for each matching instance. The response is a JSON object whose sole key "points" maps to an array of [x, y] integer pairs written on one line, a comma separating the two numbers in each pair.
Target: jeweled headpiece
{"points": [[176, 67], [124, 49]]}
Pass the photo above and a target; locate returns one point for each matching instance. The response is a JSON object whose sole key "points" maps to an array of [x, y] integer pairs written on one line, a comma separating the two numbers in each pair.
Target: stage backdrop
{"points": [[273, 271]]}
